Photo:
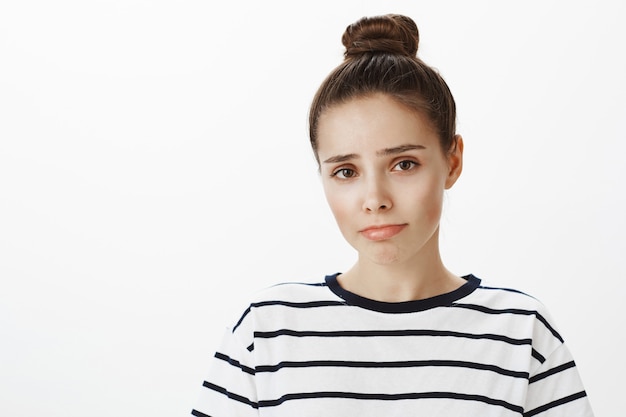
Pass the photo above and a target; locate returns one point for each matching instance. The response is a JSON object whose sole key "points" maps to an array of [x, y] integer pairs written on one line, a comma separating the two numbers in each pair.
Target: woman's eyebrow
{"points": [[398, 149], [341, 158], [384, 152]]}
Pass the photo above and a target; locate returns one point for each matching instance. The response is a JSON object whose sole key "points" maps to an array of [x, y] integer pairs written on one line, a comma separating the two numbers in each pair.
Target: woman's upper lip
{"points": [[381, 226], [382, 232]]}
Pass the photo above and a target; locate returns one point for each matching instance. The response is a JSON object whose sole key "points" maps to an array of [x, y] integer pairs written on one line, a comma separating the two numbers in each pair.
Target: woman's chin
{"points": [[384, 255]]}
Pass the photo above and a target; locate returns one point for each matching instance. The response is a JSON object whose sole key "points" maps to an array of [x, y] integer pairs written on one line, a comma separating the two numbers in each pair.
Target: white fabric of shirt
{"points": [[318, 350]]}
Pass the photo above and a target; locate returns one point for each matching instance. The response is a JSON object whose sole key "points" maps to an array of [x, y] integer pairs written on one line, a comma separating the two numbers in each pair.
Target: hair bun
{"points": [[392, 34]]}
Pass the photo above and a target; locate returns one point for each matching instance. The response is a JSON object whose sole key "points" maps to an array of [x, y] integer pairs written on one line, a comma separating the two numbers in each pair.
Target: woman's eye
{"points": [[405, 165], [344, 173]]}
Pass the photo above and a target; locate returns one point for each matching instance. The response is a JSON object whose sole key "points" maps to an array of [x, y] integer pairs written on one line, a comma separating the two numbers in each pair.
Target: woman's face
{"points": [[384, 174]]}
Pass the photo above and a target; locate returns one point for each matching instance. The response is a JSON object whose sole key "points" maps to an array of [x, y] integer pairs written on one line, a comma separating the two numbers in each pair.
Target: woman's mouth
{"points": [[383, 232]]}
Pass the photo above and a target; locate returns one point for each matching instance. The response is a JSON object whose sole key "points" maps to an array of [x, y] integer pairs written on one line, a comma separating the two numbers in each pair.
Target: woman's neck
{"points": [[414, 279]]}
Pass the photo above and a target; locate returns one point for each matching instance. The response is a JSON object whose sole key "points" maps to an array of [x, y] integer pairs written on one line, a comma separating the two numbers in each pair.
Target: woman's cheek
{"points": [[340, 203]]}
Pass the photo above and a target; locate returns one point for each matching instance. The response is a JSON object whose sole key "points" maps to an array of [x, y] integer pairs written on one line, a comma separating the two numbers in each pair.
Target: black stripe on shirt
{"points": [[308, 304], [488, 310], [555, 403], [552, 371], [199, 413], [231, 395], [391, 397], [552, 329], [538, 356], [390, 333], [505, 289], [234, 363], [308, 284], [243, 316], [395, 364]]}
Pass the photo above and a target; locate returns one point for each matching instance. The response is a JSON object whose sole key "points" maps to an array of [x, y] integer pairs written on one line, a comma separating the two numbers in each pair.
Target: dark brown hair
{"points": [[381, 57]]}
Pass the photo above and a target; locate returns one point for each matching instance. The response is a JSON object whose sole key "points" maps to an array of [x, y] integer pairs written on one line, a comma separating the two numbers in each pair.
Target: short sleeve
{"points": [[555, 388], [229, 389]]}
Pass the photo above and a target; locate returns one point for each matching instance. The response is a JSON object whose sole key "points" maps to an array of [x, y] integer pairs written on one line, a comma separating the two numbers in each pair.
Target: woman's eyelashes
{"points": [[405, 165], [346, 173], [343, 173]]}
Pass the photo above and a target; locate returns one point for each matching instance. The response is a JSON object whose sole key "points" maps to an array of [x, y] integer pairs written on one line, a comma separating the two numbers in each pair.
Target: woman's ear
{"points": [[455, 161]]}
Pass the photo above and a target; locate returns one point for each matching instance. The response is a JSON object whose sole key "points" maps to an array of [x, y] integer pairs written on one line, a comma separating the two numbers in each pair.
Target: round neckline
{"points": [[440, 300]]}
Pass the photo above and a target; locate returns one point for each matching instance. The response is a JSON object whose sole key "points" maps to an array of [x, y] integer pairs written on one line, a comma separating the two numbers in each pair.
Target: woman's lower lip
{"points": [[382, 233]]}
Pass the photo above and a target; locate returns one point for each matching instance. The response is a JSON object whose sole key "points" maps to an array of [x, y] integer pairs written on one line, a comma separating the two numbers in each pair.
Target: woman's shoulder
{"points": [[502, 301], [492, 294], [292, 292], [286, 296]]}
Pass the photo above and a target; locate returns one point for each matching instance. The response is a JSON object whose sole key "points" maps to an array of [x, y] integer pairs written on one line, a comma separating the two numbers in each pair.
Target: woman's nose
{"points": [[377, 197]]}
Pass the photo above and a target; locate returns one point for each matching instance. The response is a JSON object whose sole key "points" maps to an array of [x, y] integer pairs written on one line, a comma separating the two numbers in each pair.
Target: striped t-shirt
{"points": [[303, 350]]}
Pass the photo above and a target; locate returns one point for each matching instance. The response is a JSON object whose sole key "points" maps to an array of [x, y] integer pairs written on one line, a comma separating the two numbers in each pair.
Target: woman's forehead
{"points": [[372, 124]]}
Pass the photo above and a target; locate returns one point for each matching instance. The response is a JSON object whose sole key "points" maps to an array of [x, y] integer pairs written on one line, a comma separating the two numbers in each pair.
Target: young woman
{"points": [[397, 334]]}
